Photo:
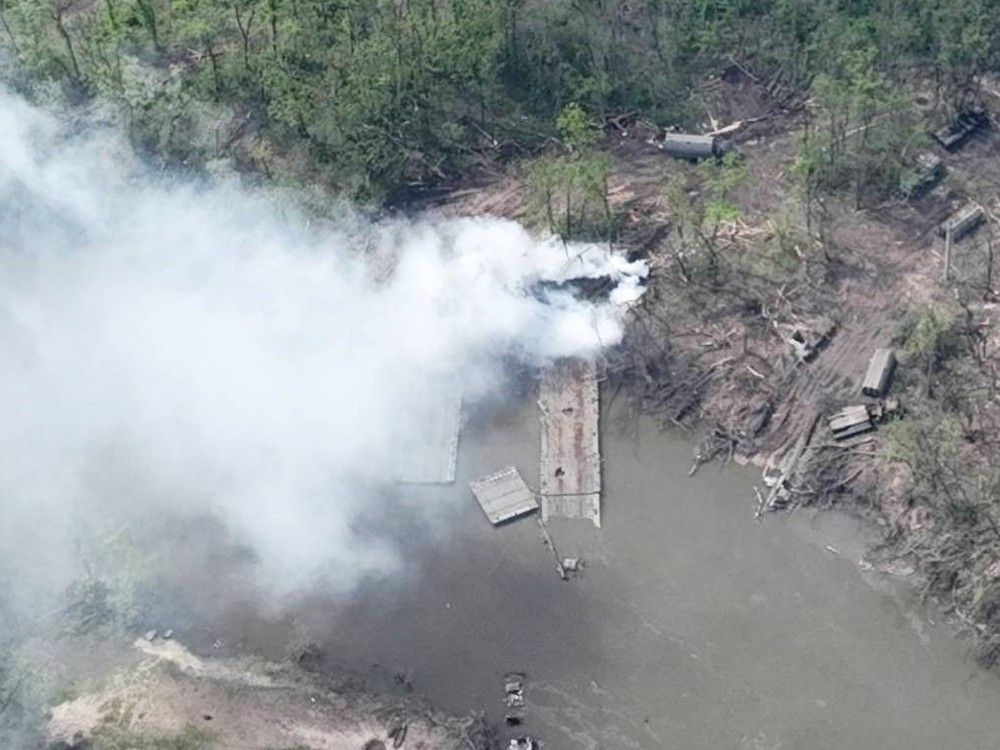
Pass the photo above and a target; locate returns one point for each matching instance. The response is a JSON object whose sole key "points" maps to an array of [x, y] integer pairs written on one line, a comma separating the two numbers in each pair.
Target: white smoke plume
{"points": [[190, 347]]}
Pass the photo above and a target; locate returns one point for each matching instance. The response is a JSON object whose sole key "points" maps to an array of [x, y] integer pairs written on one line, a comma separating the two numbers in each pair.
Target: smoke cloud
{"points": [[191, 348]]}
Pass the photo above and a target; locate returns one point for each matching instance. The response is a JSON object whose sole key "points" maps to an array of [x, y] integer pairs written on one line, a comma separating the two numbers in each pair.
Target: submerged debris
{"points": [[513, 685], [572, 564]]}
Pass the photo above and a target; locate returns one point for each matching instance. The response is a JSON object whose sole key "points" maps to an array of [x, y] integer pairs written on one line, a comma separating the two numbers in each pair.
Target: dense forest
{"points": [[368, 96]]}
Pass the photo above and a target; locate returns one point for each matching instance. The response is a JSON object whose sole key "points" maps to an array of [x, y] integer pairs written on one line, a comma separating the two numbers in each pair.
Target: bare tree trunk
{"points": [[988, 291], [569, 218], [550, 214], [245, 33], [608, 216], [213, 61], [6, 28], [947, 251], [57, 16], [149, 15], [273, 7]]}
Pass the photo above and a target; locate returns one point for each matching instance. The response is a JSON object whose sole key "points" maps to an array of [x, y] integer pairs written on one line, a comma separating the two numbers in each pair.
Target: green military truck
{"points": [[922, 176]]}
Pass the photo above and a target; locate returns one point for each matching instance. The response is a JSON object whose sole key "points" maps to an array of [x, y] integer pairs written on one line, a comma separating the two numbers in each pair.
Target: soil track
{"points": [[717, 353], [884, 262]]}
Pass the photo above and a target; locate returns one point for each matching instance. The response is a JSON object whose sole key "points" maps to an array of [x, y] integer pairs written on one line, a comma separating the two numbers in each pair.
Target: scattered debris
{"points": [[572, 564], [806, 337], [880, 371], [550, 543], [690, 146], [900, 567], [522, 743], [916, 181], [568, 400], [883, 409], [398, 734], [778, 495], [952, 136], [514, 700], [858, 419], [503, 496], [734, 126], [851, 421], [962, 222]]}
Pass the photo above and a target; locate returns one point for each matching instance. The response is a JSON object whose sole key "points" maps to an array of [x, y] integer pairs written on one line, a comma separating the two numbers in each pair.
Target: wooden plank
{"points": [[858, 429], [503, 496], [855, 410], [849, 417], [800, 446], [569, 403], [848, 422], [850, 411]]}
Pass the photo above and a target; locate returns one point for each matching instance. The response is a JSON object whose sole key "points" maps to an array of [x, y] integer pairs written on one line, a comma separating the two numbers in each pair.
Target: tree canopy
{"points": [[378, 95]]}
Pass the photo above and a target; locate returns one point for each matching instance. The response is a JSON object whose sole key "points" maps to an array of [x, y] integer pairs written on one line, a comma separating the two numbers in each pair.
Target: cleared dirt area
{"points": [[882, 262], [169, 697], [727, 342]]}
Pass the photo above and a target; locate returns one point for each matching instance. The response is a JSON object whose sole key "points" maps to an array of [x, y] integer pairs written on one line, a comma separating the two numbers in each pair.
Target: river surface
{"points": [[692, 625]]}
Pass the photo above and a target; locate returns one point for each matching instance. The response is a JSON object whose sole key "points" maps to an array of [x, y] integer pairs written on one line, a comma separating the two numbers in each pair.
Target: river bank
{"points": [[691, 625], [715, 344]]}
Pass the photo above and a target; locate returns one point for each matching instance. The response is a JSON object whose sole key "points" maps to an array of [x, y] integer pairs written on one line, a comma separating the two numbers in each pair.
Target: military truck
{"points": [[962, 222], [952, 136], [922, 176]]}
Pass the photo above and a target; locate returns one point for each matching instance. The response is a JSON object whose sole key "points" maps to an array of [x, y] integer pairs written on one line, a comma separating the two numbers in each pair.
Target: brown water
{"points": [[692, 626]]}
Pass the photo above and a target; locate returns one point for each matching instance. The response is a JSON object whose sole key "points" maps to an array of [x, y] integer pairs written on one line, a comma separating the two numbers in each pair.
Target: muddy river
{"points": [[692, 625]]}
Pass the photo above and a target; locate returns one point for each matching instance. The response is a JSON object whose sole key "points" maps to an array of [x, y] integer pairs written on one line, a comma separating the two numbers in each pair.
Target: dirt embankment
{"points": [[718, 352], [170, 698]]}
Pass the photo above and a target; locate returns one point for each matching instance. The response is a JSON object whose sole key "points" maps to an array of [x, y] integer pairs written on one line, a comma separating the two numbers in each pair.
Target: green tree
{"points": [[926, 339], [570, 190], [698, 216]]}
